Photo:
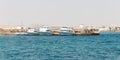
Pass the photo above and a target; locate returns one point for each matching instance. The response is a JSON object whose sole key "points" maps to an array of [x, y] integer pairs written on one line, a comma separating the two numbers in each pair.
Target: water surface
{"points": [[102, 47]]}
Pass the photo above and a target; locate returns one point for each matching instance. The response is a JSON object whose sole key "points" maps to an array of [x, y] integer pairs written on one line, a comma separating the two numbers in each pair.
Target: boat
{"points": [[32, 32], [66, 31], [45, 31]]}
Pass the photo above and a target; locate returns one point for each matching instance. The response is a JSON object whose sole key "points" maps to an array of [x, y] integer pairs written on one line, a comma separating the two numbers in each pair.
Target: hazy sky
{"points": [[60, 12]]}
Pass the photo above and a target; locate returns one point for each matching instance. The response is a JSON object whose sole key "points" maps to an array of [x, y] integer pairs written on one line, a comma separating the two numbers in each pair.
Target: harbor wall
{"points": [[11, 30], [77, 30]]}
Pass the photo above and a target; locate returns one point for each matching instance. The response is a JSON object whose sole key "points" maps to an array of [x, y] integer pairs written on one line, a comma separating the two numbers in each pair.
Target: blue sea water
{"points": [[101, 47]]}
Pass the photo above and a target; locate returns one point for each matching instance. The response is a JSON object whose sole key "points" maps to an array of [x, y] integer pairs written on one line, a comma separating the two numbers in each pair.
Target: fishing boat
{"points": [[66, 31]]}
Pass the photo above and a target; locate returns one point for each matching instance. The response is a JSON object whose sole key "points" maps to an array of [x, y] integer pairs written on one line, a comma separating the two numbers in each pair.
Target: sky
{"points": [[60, 12]]}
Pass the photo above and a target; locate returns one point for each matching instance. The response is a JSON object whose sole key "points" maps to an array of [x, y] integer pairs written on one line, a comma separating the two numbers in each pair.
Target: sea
{"points": [[100, 47]]}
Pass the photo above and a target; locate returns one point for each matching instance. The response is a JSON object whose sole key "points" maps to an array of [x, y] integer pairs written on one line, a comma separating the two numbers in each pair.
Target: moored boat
{"points": [[45, 30], [66, 31], [32, 32]]}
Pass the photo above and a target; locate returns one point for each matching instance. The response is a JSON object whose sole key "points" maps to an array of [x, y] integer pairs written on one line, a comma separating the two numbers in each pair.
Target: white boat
{"points": [[66, 31], [32, 31], [45, 31]]}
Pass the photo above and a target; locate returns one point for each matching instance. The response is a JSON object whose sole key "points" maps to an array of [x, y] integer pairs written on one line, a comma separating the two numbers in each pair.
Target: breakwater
{"points": [[57, 30], [44, 30]]}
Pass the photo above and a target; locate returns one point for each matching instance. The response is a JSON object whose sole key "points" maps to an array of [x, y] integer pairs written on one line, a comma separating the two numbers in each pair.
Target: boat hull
{"points": [[32, 34], [45, 33], [65, 34]]}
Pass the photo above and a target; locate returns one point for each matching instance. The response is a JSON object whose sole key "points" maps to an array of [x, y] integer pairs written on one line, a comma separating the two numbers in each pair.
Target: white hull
{"points": [[45, 33], [65, 33]]}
